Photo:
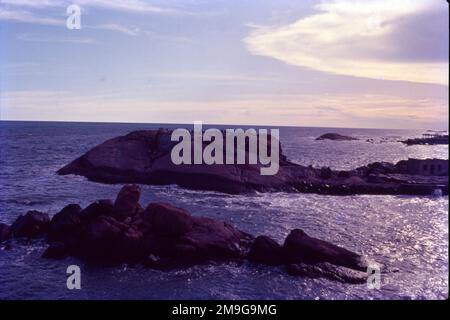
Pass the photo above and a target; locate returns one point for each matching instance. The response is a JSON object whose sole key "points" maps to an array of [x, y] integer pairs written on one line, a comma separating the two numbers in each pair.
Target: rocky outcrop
{"points": [[443, 139], [165, 237], [335, 137], [144, 157]]}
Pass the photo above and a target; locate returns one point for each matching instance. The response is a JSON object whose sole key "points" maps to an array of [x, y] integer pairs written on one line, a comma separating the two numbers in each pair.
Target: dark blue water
{"points": [[406, 233]]}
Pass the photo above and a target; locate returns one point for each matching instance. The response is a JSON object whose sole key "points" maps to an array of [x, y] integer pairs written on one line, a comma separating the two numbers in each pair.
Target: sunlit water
{"points": [[407, 234]]}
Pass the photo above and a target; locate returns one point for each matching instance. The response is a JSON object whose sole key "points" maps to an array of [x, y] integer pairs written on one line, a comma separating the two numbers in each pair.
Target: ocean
{"points": [[406, 233]]}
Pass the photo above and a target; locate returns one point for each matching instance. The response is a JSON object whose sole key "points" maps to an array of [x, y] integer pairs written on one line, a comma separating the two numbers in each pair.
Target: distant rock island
{"points": [[427, 140], [161, 236], [335, 137], [144, 157]]}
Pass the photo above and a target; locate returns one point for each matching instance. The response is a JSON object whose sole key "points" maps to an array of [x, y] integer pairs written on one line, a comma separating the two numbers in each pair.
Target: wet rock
{"points": [[5, 232], [56, 250], [166, 219], [327, 271], [266, 251], [335, 137], [127, 202], [31, 225], [301, 248], [64, 223], [103, 207]]}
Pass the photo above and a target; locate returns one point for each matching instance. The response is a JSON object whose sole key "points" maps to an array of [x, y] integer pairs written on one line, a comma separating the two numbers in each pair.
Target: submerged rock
{"points": [[145, 157]]}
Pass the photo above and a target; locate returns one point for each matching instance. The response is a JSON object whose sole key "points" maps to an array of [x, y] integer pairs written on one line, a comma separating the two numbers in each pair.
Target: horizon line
{"points": [[211, 124]]}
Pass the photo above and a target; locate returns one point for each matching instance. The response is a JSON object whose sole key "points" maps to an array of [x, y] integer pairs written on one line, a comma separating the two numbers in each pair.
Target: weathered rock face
{"points": [[144, 157], [165, 237], [335, 137], [31, 225]]}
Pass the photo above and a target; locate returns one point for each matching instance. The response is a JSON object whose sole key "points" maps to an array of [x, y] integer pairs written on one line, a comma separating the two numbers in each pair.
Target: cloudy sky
{"points": [[335, 63]]}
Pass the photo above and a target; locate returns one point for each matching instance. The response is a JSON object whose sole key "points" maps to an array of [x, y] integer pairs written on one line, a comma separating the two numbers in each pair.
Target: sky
{"points": [[330, 63]]}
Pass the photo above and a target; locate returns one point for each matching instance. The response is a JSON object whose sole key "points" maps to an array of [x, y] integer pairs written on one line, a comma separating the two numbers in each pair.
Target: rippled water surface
{"points": [[408, 234]]}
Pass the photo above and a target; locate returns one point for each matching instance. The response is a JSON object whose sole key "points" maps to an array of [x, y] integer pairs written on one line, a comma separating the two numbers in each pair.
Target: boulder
{"points": [[5, 232], [266, 251], [98, 208], [166, 219], [127, 202], [31, 225], [64, 223], [301, 248]]}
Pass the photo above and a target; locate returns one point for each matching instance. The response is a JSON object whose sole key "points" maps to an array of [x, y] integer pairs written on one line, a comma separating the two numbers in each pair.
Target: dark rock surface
{"points": [[266, 251], [31, 225], [5, 232], [301, 248], [443, 139], [165, 237], [144, 157], [335, 137]]}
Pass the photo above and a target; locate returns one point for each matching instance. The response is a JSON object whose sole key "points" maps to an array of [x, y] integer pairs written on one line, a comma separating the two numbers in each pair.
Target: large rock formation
{"points": [[144, 157], [165, 237]]}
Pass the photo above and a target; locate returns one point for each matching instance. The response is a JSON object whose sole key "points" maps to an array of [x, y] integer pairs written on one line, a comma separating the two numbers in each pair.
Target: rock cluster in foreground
{"points": [[144, 157], [161, 236]]}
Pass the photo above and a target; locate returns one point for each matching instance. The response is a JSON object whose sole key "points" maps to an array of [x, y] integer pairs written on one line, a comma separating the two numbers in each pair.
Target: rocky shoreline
{"points": [[164, 237], [143, 157]]}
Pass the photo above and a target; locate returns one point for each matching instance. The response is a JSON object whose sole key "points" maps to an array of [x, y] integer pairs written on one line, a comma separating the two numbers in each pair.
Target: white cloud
{"points": [[353, 38], [28, 17], [118, 5], [118, 28]]}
